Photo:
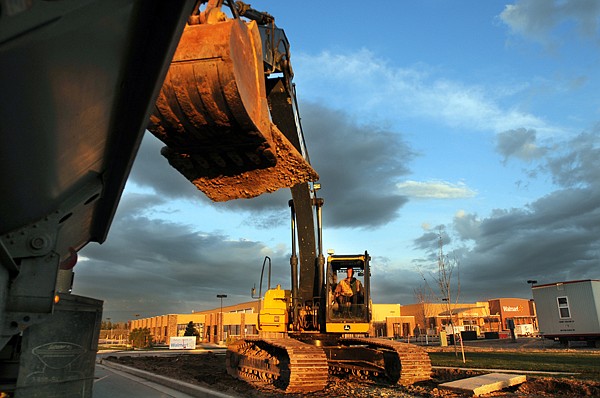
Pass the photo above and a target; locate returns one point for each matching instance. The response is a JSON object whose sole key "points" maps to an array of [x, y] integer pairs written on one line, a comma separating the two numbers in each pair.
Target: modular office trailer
{"points": [[569, 311]]}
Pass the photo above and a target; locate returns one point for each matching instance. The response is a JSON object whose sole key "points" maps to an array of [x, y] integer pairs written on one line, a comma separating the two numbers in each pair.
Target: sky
{"points": [[474, 121]]}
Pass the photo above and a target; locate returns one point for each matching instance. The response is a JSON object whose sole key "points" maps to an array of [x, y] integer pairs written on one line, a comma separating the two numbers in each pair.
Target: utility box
{"points": [[443, 339], [525, 329], [58, 356], [569, 311]]}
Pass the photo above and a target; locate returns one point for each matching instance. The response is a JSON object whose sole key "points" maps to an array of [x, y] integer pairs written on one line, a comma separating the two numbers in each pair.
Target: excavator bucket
{"points": [[213, 115]]}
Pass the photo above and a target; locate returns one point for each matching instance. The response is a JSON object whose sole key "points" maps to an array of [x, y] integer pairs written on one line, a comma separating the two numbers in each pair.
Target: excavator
{"points": [[316, 329], [81, 82]]}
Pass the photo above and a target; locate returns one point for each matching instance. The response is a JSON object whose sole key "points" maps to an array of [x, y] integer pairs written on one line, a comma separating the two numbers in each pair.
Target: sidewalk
{"points": [[115, 380], [164, 386]]}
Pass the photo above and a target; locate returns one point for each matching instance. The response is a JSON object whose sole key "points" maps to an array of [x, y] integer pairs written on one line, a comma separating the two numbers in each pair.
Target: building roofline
{"points": [[565, 283]]}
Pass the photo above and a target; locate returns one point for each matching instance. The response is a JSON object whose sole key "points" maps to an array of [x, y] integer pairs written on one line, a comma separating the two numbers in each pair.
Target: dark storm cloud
{"points": [[547, 242], [151, 267], [553, 239], [359, 168], [520, 143], [430, 240], [390, 284], [536, 19], [579, 162], [570, 163], [466, 226], [152, 170], [394, 286]]}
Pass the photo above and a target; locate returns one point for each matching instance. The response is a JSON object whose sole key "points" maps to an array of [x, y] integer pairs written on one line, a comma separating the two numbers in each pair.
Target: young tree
{"points": [[446, 266], [190, 330], [425, 297]]}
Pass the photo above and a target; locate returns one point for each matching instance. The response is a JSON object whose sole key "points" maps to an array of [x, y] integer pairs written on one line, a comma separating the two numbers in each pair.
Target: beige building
{"points": [[388, 320], [236, 320], [163, 327], [433, 317]]}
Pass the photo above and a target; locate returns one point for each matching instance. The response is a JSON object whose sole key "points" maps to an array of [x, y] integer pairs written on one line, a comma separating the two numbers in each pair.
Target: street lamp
{"points": [[109, 328], [531, 282], [222, 296]]}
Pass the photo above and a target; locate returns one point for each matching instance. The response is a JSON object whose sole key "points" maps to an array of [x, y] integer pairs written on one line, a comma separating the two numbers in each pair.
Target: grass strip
{"points": [[586, 365]]}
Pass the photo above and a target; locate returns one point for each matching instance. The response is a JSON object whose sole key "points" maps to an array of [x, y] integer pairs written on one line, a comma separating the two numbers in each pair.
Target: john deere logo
{"points": [[346, 327]]}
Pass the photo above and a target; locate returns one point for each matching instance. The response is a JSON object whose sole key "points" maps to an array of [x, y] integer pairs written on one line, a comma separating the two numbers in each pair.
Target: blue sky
{"points": [[477, 118]]}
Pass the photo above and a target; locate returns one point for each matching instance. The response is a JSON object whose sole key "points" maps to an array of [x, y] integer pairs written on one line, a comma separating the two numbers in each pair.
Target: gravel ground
{"points": [[208, 370]]}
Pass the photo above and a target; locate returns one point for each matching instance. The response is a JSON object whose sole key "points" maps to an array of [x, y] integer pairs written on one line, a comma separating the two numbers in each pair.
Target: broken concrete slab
{"points": [[484, 384]]}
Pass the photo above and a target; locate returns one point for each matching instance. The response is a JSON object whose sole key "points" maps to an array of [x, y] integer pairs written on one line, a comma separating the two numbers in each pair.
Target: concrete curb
{"points": [[187, 388]]}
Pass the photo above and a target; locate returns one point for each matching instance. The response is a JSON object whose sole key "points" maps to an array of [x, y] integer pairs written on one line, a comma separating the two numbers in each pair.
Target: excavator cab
{"points": [[348, 292]]}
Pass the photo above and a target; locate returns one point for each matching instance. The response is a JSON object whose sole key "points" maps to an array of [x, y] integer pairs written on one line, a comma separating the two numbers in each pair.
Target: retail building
{"points": [[388, 320]]}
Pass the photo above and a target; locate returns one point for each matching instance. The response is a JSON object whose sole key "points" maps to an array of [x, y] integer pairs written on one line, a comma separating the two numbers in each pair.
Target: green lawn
{"points": [[586, 365]]}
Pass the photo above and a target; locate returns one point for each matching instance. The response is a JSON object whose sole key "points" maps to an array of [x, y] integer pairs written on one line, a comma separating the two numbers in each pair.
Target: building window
{"points": [[563, 307]]}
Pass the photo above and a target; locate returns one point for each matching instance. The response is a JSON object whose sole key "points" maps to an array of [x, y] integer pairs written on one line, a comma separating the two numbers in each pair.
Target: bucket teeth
{"points": [[213, 115]]}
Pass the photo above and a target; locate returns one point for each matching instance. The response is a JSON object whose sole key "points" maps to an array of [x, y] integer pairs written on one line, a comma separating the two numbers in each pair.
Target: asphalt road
{"points": [[111, 383]]}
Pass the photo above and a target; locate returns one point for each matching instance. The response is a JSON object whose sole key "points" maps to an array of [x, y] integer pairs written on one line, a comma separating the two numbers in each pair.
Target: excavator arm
{"points": [[228, 114]]}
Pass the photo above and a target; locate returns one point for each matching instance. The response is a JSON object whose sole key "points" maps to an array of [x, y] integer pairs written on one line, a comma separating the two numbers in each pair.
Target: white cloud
{"points": [[435, 190], [376, 90]]}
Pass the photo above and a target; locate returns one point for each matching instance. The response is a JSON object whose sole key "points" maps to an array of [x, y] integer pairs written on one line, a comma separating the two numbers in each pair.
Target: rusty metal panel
{"points": [[58, 357]]}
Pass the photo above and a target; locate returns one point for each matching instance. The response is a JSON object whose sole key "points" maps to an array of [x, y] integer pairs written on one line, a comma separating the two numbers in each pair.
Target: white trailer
{"points": [[569, 311]]}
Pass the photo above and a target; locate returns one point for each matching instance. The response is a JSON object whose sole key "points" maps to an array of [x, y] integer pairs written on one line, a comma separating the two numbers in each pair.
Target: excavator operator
{"points": [[349, 292]]}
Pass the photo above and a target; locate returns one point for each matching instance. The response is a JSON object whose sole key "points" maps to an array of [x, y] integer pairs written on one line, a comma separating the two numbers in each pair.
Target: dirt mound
{"points": [[559, 388], [208, 370]]}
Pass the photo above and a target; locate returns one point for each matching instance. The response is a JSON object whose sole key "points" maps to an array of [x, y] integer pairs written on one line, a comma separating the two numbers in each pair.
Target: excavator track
{"points": [[288, 364], [404, 363]]}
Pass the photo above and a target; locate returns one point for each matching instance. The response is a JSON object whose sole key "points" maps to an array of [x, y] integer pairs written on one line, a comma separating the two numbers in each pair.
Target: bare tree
{"points": [[425, 297], [446, 268]]}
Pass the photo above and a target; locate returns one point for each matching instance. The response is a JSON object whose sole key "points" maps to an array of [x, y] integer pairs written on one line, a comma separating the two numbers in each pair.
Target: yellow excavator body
{"points": [[273, 314]]}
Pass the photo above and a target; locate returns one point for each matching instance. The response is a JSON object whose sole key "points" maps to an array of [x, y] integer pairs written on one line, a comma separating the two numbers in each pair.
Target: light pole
{"points": [[222, 296], [109, 328]]}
